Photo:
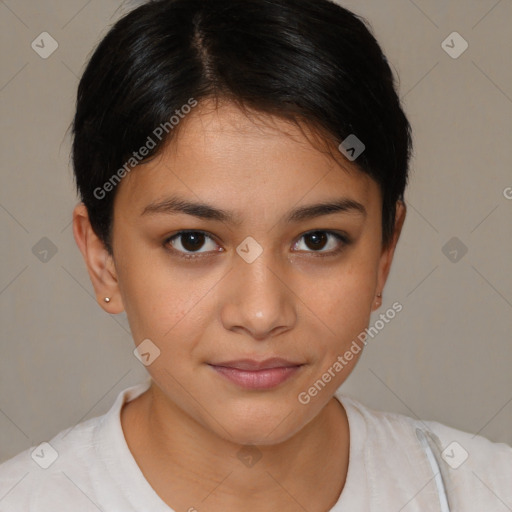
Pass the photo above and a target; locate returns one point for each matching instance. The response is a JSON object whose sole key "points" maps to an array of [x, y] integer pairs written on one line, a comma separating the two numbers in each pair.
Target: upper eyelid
{"points": [[168, 240]]}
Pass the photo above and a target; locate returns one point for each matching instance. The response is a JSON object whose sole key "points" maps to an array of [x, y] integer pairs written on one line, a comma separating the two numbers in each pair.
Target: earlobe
{"points": [[99, 262]]}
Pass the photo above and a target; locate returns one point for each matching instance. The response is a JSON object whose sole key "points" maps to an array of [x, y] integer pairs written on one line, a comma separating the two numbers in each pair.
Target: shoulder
{"points": [[475, 469], [76, 466], [46, 467], [394, 425], [458, 446], [476, 463]]}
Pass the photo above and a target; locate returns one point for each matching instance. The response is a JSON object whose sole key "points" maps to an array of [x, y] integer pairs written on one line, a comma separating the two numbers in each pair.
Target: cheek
{"points": [[157, 314], [341, 307], [154, 300], [344, 298]]}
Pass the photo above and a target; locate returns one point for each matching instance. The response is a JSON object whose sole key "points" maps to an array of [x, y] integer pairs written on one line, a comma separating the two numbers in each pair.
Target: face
{"points": [[257, 274]]}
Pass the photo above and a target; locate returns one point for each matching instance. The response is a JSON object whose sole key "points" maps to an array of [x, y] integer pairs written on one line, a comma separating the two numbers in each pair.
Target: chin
{"points": [[268, 426]]}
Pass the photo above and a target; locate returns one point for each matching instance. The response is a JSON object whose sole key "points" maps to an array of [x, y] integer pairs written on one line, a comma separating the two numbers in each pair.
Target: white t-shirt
{"points": [[392, 467]]}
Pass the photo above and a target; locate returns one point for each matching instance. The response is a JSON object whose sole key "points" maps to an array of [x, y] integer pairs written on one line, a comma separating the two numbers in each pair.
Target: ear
{"points": [[387, 253], [99, 262]]}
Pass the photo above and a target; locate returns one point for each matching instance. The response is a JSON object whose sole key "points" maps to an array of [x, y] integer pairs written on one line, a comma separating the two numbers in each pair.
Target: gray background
{"points": [[445, 357]]}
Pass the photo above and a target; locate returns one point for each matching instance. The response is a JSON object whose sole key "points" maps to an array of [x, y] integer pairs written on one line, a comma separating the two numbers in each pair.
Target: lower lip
{"points": [[258, 379]]}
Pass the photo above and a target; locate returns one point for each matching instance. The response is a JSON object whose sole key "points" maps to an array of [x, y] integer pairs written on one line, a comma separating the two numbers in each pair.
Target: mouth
{"points": [[257, 375]]}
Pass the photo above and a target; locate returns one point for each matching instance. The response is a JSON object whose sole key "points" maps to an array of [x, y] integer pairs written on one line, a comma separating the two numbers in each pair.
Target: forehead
{"points": [[222, 155]]}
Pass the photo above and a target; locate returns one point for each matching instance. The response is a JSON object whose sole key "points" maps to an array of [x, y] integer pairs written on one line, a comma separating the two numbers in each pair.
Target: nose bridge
{"points": [[260, 300]]}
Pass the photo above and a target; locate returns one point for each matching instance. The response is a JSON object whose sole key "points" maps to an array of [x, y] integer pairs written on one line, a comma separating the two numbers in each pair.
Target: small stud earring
{"points": [[107, 299]]}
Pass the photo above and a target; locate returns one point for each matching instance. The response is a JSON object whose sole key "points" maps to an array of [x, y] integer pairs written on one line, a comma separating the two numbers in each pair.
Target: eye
{"points": [[319, 239], [190, 242], [187, 244]]}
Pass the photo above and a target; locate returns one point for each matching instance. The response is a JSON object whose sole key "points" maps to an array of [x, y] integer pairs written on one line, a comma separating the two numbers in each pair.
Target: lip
{"points": [[252, 364], [252, 374]]}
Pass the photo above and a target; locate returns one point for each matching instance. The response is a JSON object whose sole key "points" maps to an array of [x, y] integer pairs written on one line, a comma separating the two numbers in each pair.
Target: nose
{"points": [[259, 300]]}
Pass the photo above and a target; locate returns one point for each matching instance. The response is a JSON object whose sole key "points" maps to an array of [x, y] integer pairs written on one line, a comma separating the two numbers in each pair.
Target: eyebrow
{"points": [[176, 205]]}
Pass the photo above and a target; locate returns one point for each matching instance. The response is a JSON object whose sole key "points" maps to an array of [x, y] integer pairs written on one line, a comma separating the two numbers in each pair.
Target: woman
{"points": [[241, 166]]}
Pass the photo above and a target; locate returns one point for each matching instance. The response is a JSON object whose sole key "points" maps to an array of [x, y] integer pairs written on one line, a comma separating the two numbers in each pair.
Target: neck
{"points": [[307, 471]]}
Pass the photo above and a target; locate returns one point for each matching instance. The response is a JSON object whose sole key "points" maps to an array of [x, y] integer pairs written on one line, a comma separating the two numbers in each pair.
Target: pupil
{"points": [[317, 237], [197, 241]]}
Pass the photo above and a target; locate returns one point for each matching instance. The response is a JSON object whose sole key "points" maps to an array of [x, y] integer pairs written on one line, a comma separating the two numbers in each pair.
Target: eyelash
{"points": [[343, 238]]}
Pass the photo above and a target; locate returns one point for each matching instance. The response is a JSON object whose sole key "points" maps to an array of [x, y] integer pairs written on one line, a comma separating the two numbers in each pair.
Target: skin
{"points": [[185, 432]]}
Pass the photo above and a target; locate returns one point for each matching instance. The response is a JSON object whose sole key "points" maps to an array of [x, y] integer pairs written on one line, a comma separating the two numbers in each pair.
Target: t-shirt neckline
{"points": [[113, 451]]}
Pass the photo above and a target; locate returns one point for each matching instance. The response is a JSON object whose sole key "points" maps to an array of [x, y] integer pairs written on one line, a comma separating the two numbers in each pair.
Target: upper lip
{"points": [[252, 365]]}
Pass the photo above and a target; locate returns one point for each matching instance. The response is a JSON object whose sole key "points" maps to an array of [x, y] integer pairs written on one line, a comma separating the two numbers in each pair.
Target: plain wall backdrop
{"points": [[447, 356]]}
